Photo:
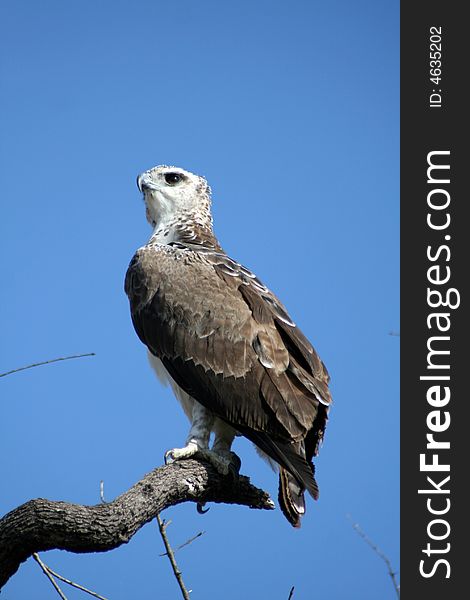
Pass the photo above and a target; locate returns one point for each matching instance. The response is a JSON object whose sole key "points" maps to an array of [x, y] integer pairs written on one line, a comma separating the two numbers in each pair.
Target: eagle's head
{"points": [[175, 198]]}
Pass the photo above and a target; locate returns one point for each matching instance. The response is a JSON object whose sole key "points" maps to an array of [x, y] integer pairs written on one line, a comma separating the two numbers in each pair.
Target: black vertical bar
{"points": [[435, 254]]}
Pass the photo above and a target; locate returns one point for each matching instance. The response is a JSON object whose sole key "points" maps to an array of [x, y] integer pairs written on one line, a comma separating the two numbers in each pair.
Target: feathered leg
{"points": [[198, 437], [223, 438], [197, 441]]}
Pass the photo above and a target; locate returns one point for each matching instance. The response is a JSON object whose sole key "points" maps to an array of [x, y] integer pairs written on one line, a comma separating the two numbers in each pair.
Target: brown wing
{"points": [[229, 343], [294, 369]]}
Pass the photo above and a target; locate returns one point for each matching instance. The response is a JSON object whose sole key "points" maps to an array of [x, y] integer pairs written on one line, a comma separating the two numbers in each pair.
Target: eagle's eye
{"points": [[173, 178]]}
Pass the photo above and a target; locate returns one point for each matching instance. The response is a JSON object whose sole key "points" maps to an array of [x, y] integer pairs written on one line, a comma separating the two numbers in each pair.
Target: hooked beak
{"points": [[144, 182]]}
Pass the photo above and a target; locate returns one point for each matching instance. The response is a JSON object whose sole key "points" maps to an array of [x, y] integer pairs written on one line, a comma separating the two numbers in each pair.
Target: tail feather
{"points": [[296, 473], [301, 470], [291, 456], [291, 495]]}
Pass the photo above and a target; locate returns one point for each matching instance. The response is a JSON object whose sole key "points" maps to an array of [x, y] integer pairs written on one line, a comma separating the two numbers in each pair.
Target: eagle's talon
{"points": [[234, 465], [200, 508], [226, 463], [219, 464], [180, 453], [169, 457]]}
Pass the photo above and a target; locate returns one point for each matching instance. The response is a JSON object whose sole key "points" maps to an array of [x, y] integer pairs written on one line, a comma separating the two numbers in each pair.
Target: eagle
{"points": [[226, 345]]}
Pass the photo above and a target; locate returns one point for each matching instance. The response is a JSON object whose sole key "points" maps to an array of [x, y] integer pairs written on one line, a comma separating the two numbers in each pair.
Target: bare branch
{"points": [[102, 492], [190, 541], [46, 362], [291, 593], [51, 574], [171, 557], [40, 525], [73, 584], [45, 570], [186, 543], [377, 550]]}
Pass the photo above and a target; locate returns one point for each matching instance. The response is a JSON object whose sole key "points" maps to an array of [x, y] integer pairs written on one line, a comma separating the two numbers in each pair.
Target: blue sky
{"points": [[291, 110]]}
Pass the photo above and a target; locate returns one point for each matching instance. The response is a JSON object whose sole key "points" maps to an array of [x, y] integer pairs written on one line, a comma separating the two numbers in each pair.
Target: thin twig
{"points": [[291, 593], [75, 585], [50, 573], [186, 543], [377, 550], [45, 570], [46, 362], [162, 527]]}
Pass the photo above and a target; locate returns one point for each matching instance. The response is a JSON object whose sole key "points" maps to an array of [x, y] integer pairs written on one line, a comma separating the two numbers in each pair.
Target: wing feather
{"points": [[229, 342]]}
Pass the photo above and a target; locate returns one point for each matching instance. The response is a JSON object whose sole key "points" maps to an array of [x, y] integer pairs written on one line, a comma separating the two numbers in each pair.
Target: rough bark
{"points": [[40, 524]]}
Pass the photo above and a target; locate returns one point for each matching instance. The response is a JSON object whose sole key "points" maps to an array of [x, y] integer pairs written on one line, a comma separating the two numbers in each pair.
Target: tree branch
{"points": [[45, 570], [46, 362], [162, 525], [51, 574], [40, 524], [379, 552]]}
